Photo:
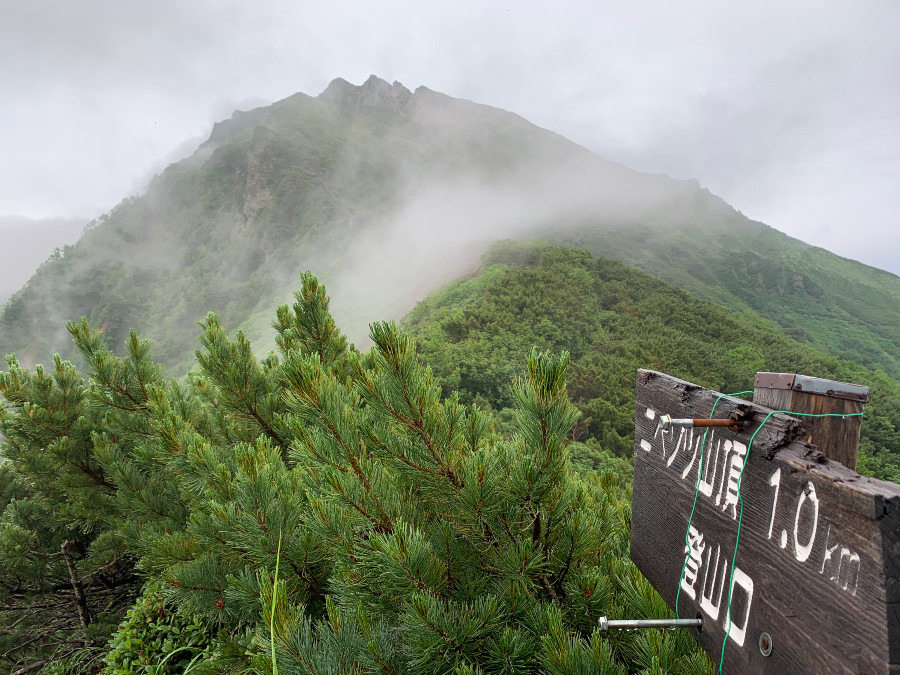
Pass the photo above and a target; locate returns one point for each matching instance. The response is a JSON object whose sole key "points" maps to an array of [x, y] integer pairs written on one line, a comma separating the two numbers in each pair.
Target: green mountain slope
{"points": [[815, 296], [388, 194], [613, 320]]}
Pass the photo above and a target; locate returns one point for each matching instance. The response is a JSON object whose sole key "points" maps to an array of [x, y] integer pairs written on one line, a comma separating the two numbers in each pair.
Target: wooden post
{"points": [[836, 437]]}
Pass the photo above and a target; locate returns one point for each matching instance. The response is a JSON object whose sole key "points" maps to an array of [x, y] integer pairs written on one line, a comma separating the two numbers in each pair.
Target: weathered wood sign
{"points": [[815, 587]]}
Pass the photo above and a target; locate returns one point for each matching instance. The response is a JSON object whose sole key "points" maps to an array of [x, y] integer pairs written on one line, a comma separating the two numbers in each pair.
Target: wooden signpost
{"points": [[815, 584]]}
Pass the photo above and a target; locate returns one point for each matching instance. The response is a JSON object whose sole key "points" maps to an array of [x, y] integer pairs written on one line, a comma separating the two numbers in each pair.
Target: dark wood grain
{"points": [[825, 583]]}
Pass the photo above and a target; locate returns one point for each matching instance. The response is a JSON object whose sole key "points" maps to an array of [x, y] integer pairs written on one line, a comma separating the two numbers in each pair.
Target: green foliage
{"points": [[613, 320], [54, 526], [153, 639], [332, 508]]}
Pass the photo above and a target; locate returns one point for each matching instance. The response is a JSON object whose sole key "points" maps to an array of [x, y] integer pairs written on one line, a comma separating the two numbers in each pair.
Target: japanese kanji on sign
{"points": [[811, 583]]}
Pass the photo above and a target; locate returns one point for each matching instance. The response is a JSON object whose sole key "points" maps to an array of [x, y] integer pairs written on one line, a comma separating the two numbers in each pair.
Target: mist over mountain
{"points": [[27, 242], [387, 194]]}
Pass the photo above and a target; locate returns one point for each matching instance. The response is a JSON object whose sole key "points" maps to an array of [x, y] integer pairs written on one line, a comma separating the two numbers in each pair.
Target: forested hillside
{"points": [[814, 296], [613, 320], [388, 194]]}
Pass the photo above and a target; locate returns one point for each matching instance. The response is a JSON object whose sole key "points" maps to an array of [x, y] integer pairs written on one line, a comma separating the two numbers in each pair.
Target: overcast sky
{"points": [[788, 109]]}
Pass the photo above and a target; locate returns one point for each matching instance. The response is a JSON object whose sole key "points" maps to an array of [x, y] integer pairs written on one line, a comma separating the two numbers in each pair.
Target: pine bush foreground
{"points": [[319, 511]]}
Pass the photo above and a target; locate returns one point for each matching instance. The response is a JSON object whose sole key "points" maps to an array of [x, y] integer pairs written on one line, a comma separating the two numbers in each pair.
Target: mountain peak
{"points": [[373, 92]]}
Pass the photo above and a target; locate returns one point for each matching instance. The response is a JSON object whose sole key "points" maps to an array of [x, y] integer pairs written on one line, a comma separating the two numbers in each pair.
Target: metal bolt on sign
{"points": [[606, 624], [666, 422]]}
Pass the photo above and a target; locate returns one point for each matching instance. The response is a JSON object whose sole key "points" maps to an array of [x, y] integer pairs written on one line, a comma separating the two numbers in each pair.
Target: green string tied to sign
{"points": [[740, 501], [741, 517]]}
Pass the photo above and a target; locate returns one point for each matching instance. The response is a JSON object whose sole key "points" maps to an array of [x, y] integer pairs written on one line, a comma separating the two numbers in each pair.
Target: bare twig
{"points": [[81, 601], [31, 667]]}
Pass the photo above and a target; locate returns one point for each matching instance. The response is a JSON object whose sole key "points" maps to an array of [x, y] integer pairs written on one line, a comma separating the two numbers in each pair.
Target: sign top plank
{"points": [[816, 579]]}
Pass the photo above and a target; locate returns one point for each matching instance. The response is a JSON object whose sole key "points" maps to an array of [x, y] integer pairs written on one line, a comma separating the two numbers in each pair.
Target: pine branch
{"points": [[549, 589], [96, 477], [267, 429], [84, 614], [561, 577], [21, 645], [31, 667], [304, 577], [403, 458]]}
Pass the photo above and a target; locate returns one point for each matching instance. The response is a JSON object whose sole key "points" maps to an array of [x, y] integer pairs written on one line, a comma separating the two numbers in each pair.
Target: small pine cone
{"points": [[175, 583], [220, 604]]}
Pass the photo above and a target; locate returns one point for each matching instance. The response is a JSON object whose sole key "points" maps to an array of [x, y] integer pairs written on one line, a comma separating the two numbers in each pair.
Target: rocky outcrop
{"points": [[373, 92], [257, 194]]}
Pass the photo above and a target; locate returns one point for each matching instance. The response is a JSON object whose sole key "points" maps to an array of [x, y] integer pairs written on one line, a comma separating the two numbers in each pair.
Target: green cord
{"points": [[741, 518], [697, 492], [274, 600]]}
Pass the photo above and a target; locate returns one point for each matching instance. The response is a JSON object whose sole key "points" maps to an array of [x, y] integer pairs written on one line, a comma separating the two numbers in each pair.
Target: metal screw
{"points": [[605, 624], [666, 422], [765, 644]]}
